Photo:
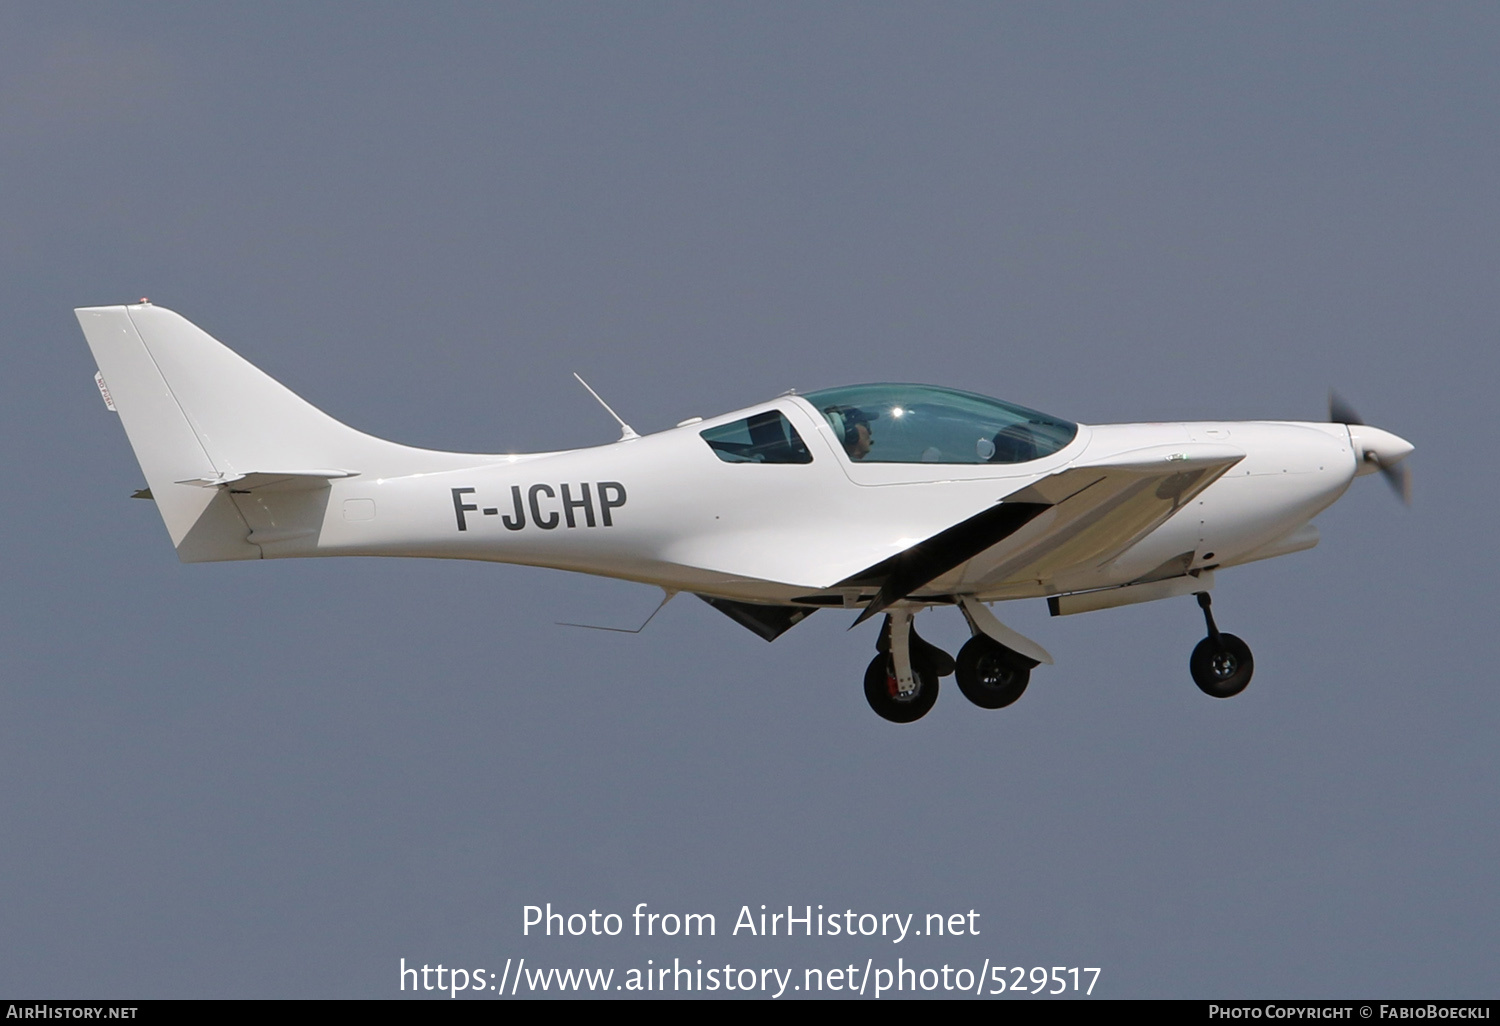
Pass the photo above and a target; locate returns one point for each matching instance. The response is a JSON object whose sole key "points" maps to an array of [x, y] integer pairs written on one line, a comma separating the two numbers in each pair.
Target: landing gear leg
{"points": [[1221, 664], [922, 650], [901, 682]]}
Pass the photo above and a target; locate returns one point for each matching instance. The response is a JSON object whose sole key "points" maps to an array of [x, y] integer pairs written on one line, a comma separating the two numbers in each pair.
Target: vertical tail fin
{"points": [[199, 416]]}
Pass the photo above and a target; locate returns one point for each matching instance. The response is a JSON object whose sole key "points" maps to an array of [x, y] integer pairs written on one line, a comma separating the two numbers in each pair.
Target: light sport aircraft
{"points": [[883, 499]]}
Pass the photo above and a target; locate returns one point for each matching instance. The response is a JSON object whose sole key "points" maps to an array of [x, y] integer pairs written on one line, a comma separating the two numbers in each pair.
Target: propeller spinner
{"points": [[1375, 449]]}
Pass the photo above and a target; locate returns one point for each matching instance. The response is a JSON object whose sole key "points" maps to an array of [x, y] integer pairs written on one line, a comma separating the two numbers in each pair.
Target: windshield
{"points": [[926, 424]]}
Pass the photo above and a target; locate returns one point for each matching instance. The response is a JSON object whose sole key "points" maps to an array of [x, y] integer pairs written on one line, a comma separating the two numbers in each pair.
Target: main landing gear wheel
{"points": [[884, 697], [1221, 664], [991, 675]]}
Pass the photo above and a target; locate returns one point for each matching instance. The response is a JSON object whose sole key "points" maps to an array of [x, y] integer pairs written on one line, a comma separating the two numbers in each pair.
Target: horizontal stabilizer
{"points": [[265, 478]]}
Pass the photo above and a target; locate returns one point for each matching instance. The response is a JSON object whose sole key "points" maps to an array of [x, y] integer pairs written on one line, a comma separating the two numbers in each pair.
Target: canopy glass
{"points": [[927, 424]]}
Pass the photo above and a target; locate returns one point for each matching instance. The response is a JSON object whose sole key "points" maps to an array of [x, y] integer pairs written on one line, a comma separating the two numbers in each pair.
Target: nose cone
{"points": [[1376, 449]]}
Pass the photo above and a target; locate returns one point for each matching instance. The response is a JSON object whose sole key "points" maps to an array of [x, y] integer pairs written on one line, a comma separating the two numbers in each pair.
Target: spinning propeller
{"points": [[1375, 449]]}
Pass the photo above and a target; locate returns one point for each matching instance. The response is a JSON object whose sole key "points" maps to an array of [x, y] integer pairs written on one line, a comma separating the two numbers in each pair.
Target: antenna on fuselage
{"points": [[626, 431], [667, 595]]}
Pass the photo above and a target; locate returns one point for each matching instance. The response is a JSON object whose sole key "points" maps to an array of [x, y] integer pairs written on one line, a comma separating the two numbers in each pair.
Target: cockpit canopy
{"points": [[927, 424]]}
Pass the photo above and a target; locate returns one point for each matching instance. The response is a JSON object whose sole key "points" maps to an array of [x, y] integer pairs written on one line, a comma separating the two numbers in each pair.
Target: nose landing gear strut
{"points": [[1221, 664]]}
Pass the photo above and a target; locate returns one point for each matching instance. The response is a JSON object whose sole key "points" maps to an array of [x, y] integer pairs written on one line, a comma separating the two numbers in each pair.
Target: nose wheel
{"points": [[1221, 664]]}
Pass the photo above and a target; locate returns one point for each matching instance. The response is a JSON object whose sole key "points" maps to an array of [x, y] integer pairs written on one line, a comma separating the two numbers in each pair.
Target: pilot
{"points": [[853, 427]]}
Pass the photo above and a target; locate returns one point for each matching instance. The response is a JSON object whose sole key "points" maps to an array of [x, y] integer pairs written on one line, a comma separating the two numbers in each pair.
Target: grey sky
{"points": [[278, 779]]}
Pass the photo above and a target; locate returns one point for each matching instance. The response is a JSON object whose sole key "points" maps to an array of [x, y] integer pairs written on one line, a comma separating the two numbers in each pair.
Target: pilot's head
{"points": [[853, 427]]}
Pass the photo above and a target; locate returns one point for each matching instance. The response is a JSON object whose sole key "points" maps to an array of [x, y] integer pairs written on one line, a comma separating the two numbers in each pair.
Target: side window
{"points": [[766, 437]]}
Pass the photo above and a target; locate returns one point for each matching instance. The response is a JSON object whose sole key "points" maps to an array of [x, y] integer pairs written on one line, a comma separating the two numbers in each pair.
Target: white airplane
{"points": [[884, 499]]}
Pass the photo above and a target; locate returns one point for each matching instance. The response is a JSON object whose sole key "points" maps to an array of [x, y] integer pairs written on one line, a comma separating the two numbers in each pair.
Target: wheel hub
{"points": [[1224, 665], [1221, 665], [993, 673], [894, 687]]}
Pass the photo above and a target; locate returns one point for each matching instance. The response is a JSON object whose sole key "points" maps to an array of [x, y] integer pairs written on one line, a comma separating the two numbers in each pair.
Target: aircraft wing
{"points": [[1084, 516]]}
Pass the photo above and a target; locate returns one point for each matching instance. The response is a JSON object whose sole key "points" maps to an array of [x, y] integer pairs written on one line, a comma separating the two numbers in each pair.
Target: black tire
{"points": [[880, 691], [991, 675], [1222, 669]]}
